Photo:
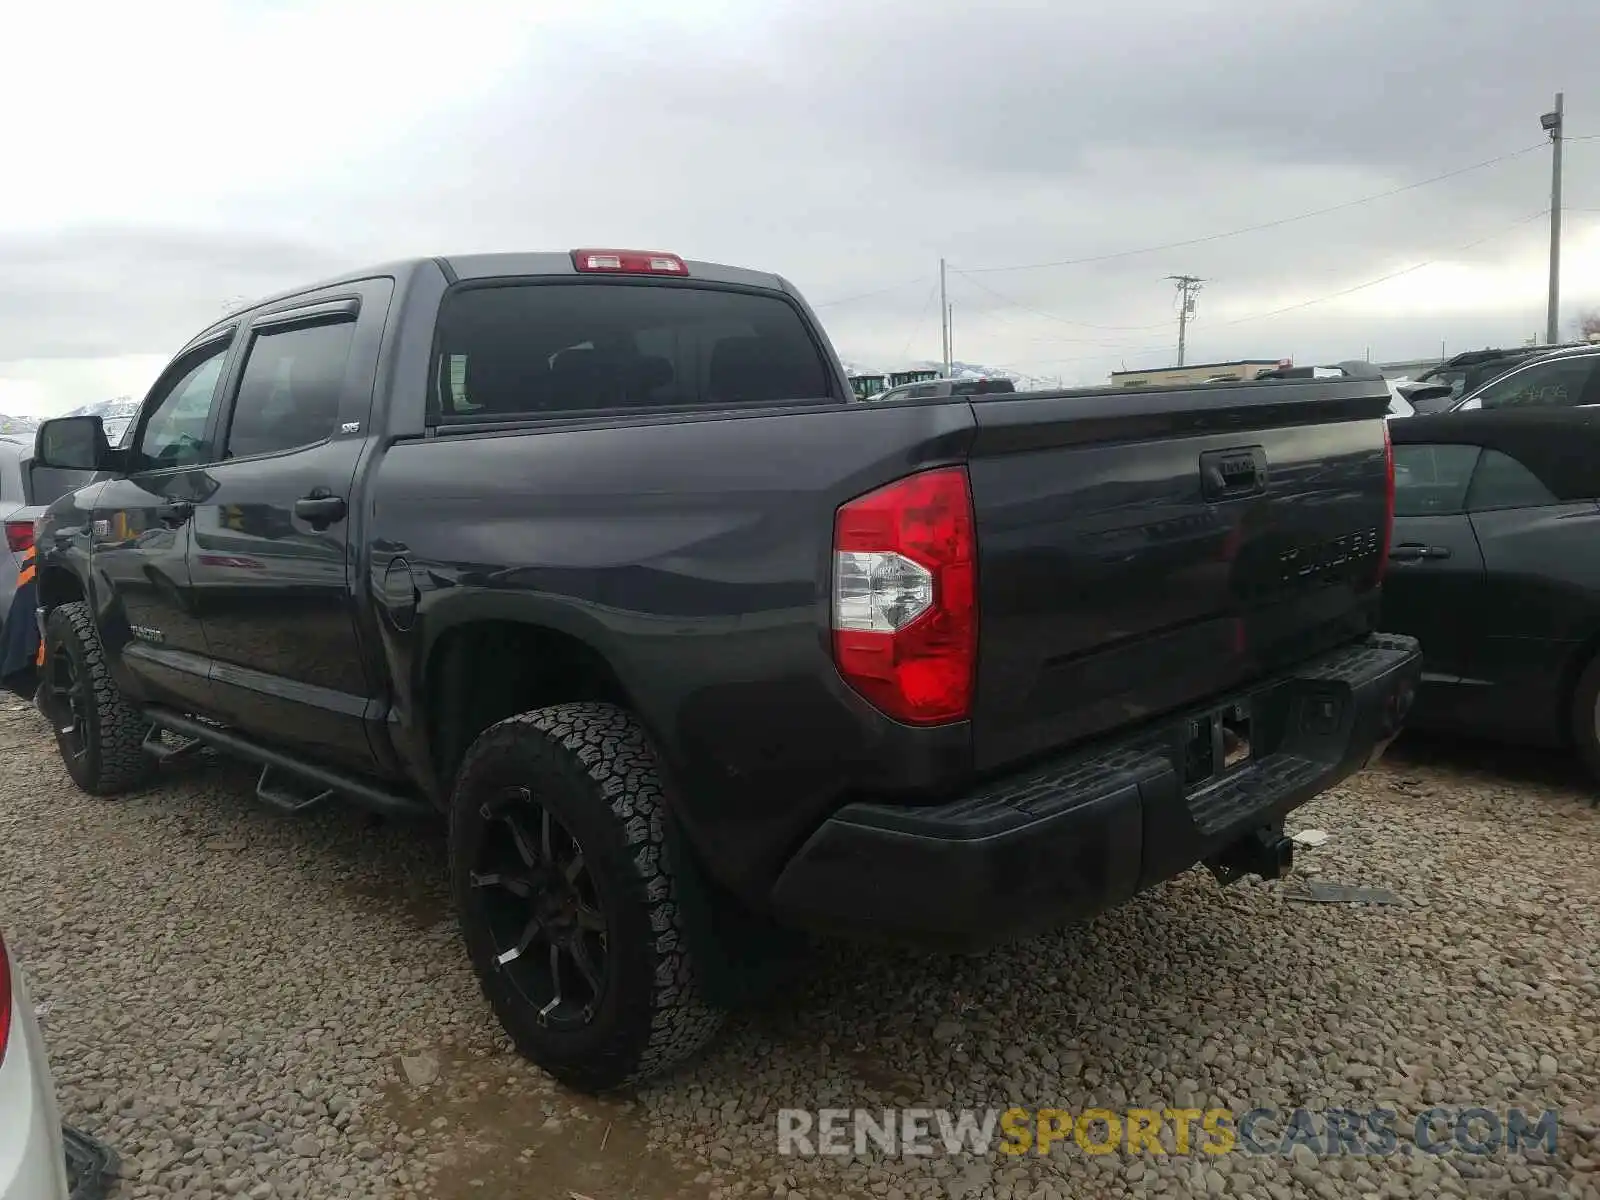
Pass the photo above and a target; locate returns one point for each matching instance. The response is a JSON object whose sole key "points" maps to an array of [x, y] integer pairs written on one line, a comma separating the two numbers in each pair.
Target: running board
{"points": [[325, 781], [161, 751], [276, 793]]}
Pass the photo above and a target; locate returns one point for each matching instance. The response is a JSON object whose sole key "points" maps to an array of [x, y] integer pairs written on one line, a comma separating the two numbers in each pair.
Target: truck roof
{"points": [[545, 263]]}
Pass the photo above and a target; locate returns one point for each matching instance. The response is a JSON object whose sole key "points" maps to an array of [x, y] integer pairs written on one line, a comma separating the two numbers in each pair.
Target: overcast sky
{"points": [[166, 160]]}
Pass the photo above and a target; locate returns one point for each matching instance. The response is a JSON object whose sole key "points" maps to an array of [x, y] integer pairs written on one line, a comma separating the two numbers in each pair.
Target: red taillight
{"points": [[19, 536], [629, 262], [1388, 503], [905, 606], [5, 1000]]}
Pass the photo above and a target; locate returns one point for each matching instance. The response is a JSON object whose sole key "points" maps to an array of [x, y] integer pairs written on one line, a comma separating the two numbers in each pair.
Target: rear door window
{"points": [[1432, 480], [1500, 481], [290, 390], [549, 349]]}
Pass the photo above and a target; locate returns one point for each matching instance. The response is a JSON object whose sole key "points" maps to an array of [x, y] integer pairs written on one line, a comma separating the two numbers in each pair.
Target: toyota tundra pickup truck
{"points": [[597, 555]]}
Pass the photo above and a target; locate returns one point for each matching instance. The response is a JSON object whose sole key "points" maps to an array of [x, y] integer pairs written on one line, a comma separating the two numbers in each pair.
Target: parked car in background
{"points": [[26, 488], [1494, 568], [1568, 377], [1400, 402], [1412, 398], [33, 1155], [1399, 406], [1465, 373]]}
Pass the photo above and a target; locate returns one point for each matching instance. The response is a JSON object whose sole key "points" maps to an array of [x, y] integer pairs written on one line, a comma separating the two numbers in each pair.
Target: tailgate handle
{"points": [[1226, 474]]}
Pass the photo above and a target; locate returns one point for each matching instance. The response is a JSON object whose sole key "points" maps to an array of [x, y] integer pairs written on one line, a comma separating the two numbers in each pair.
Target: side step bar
{"points": [[162, 751], [325, 781], [281, 795]]}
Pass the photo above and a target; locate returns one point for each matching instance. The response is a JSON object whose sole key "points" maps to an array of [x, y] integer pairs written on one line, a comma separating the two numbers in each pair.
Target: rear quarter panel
{"points": [[694, 556]]}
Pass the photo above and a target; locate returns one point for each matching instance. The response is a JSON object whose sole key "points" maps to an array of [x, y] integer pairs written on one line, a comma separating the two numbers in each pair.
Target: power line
{"points": [[916, 328], [1039, 312], [1392, 274], [1130, 350], [893, 287], [1213, 237], [1305, 216]]}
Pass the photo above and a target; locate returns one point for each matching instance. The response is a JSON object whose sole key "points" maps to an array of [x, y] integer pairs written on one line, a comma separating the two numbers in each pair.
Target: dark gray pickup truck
{"points": [[596, 554]]}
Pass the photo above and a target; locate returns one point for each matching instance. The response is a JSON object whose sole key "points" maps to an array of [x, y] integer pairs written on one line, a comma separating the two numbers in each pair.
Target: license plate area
{"points": [[1217, 744]]}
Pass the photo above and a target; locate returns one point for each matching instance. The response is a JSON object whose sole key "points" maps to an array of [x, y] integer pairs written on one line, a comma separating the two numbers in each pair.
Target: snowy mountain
{"points": [[119, 406], [14, 425], [117, 415]]}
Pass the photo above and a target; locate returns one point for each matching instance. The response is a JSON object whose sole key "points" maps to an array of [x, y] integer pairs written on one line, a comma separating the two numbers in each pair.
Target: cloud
{"points": [[101, 292], [226, 149]]}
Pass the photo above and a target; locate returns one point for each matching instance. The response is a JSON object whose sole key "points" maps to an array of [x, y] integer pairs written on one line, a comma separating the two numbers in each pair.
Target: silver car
{"points": [[33, 1153], [26, 489]]}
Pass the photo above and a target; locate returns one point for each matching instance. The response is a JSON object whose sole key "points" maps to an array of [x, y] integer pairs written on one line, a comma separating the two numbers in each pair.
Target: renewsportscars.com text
{"points": [[1266, 1131]]}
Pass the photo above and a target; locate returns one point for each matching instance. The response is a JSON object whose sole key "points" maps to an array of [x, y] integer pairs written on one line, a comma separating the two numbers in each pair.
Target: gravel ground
{"points": [[244, 1004]]}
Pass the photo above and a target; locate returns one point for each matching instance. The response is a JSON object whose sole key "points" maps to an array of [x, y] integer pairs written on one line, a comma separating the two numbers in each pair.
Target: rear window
{"points": [[556, 348]]}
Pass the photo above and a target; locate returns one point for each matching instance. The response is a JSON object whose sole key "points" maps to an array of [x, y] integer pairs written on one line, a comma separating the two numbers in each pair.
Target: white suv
{"points": [[33, 1163]]}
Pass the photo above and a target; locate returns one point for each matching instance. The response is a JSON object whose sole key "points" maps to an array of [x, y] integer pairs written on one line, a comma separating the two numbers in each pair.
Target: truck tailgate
{"points": [[1140, 551]]}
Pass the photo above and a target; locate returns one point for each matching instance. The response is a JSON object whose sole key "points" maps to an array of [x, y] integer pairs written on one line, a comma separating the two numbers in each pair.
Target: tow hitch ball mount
{"points": [[1264, 851]]}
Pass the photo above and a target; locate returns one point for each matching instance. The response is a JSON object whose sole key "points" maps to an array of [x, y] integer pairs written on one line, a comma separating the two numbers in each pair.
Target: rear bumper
{"points": [[1079, 834]]}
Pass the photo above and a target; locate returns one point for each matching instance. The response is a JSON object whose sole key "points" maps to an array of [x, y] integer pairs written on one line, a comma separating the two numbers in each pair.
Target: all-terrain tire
{"points": [[112, 758], [592, 767]]}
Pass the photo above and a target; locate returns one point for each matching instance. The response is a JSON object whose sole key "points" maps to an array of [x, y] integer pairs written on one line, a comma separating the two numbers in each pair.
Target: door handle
{"points": [[1414, 551], [320, 511], [175, 514]]}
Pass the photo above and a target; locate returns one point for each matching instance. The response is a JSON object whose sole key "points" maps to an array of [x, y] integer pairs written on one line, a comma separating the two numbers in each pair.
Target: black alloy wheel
{"points": [[69, 701], [543, 910], [99, 733]]}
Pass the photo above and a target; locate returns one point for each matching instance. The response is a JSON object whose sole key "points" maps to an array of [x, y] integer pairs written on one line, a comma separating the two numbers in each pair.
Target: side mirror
{"points": [[73, 444]]}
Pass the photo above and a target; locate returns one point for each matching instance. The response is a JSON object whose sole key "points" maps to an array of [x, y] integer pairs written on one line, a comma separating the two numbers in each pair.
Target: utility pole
{"points": [[950, 339], [944, 320], [1188, 289], [1551, 123]]}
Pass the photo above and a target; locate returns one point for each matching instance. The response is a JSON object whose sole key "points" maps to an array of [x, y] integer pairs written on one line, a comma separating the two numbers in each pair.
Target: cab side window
{"points": [[174, 434]]}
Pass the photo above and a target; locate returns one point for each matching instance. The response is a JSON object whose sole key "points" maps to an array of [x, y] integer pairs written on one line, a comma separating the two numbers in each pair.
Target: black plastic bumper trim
{"points": [[1079, 834]]}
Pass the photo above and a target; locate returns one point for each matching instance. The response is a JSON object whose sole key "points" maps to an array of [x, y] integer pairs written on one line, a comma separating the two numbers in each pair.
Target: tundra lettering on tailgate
{"points": [[1325, 557]]}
